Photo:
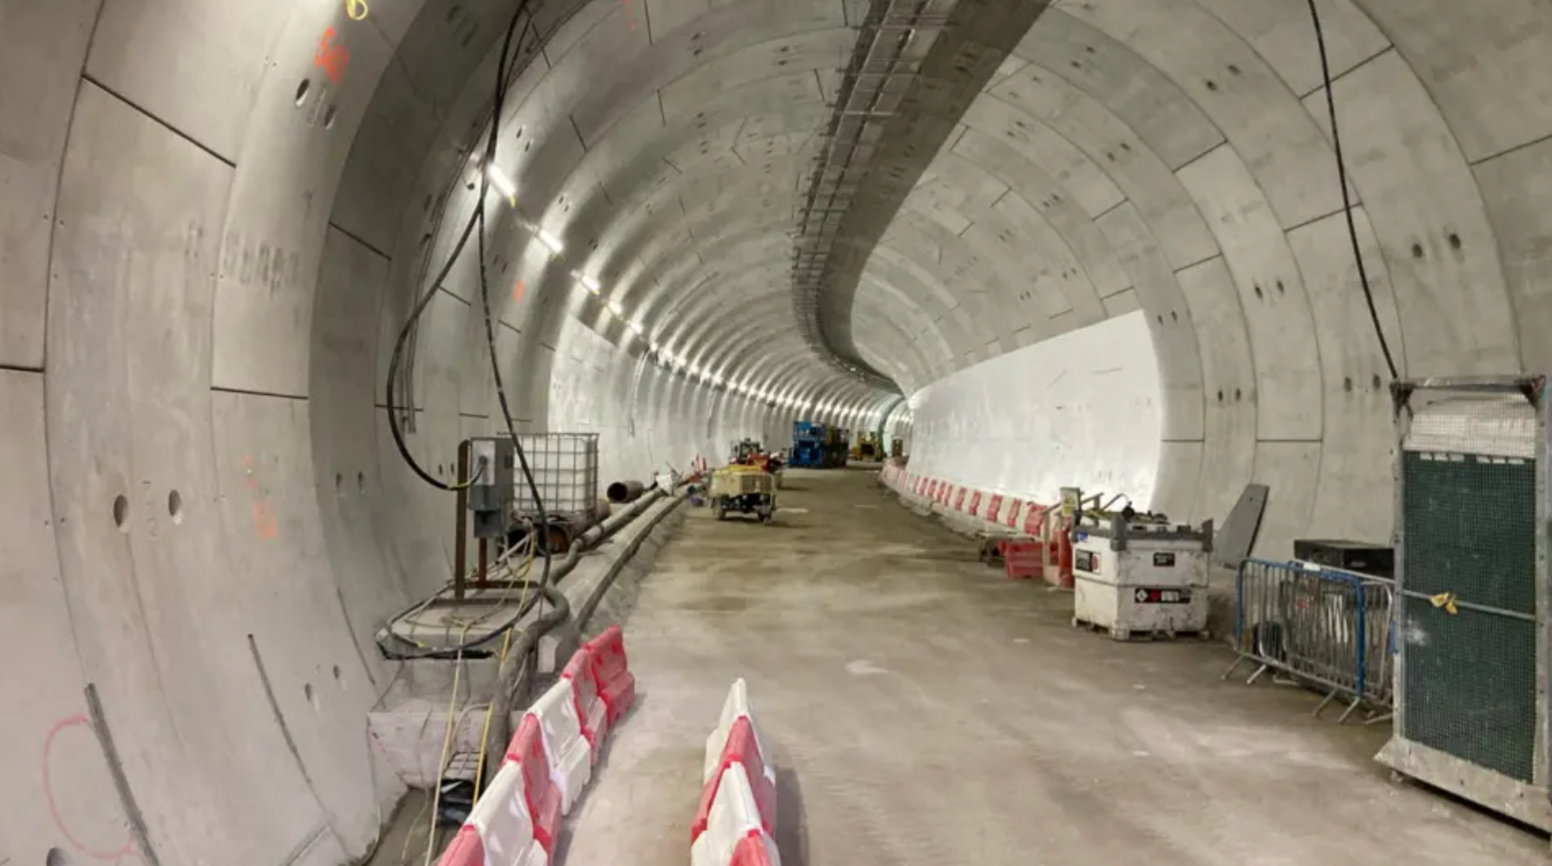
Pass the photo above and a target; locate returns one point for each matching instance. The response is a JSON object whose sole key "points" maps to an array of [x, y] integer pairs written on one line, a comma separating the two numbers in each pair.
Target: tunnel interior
{"points": [[1104, 244]]}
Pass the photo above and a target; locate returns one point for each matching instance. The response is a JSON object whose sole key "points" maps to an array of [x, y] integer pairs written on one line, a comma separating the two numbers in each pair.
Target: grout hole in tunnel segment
{"points": [[175, 506], [361, 482], [121, 513], [301, 92], [329, 115]]}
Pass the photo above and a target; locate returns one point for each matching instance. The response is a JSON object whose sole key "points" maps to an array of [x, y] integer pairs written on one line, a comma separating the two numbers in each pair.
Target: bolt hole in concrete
{"points": [[307, 691], [56, 857], [175, 506], [301, 92], [121, 513], [328, 117], [339, 480], [361, 482], [337, 674]]}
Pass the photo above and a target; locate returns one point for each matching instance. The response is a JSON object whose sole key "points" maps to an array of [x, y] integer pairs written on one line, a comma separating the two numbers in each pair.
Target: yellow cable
{"points": [[447, 745], [506, 643], [356, 9]]}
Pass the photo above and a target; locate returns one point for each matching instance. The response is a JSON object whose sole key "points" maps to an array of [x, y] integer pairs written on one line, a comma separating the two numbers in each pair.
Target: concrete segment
{"points": [[177, 214]]}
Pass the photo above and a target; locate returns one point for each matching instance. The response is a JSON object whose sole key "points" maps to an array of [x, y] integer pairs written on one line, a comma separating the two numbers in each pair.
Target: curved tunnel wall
{"points": [[203, 521]]}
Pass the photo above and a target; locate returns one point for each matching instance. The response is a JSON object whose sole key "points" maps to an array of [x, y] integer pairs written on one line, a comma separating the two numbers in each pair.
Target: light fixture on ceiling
{"points": [[616, 309], [589, 283], [551, 242], [501, 182], [635, 327]]}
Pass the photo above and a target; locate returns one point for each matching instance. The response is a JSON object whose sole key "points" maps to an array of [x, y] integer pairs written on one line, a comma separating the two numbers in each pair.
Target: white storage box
{"points": [[1141, 579]]}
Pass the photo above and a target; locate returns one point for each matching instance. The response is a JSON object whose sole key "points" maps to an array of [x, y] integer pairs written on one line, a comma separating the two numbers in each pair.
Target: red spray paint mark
{"points": [[48, 792], [265, 526], [517, 292], [331, 58]]}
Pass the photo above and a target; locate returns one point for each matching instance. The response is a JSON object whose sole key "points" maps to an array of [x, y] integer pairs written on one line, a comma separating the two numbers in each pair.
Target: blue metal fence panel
{"points": [[1325, 628]]}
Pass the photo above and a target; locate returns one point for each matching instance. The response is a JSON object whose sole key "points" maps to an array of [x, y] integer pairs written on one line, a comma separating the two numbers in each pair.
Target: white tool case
{"points": [[1141, 579]]}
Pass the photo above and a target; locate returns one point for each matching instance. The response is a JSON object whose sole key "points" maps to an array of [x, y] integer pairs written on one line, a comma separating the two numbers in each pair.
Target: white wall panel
{"points": [[1079, 409]]}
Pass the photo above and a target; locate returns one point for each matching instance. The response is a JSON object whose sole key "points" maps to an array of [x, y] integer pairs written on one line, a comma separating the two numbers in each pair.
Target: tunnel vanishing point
{"points": [[1100, 243]]}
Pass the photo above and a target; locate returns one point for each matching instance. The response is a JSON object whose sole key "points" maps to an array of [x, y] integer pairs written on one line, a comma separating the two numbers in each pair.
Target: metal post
{"points": [[460, 545]]}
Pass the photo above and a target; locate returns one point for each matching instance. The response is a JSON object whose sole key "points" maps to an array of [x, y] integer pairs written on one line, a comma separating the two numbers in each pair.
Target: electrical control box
{"points": [[1141, 579], [491, 465]]}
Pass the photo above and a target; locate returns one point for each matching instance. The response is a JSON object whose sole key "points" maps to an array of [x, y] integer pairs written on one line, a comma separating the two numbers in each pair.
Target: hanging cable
{"points": [[1347, 204], [490, 331], [503, 71]]}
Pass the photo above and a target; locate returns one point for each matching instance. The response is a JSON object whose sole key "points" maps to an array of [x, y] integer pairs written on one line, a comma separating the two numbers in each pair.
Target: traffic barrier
{"points": [[740, 746], [734, 835], [975, 504], [503, 823], [592, 715], [736, 820], [568, 752], [499, 829], [466, 849], [1014, 506], [548, 762], [959, 498], [540, 793], [1022, 559], [611, 672]]}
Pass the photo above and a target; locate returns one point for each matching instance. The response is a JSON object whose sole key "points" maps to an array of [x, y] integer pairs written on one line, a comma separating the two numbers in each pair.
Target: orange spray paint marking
{"points": [[265, 526], [331, 58], [517, 292]]}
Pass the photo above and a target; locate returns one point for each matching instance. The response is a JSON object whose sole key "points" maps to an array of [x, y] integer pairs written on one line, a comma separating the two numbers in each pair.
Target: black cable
{"points": [[1347, 204], [560, 607], [503, 70], [490, 331]]}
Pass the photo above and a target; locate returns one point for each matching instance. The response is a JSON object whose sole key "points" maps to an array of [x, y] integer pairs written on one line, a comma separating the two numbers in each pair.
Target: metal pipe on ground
{"points": [[625, 491]]}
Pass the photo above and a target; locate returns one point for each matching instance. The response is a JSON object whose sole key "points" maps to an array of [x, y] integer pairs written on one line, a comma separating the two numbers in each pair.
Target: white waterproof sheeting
{"points": [[1080, 409]]}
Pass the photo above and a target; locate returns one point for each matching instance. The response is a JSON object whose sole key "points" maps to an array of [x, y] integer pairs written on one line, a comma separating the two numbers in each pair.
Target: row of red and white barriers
{"points": [[548, 761], [736, 822]]}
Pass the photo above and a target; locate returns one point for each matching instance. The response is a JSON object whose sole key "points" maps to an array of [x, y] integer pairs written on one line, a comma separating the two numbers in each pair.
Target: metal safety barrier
{"points": [[1326, 629]]}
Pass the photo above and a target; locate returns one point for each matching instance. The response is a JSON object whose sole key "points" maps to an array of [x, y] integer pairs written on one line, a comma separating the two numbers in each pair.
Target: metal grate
{"points": [[1470, 678], [565, 469]]}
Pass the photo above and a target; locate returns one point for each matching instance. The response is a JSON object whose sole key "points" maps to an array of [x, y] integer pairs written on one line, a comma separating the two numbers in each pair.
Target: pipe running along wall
{"points": [[215, 216]]}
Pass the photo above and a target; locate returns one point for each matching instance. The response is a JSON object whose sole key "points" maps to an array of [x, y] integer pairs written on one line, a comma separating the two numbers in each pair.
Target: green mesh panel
{"points": [[1470, 679]]}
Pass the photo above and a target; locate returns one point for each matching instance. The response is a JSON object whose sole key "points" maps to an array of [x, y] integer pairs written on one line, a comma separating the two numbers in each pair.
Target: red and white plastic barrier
{"points": [[736, 821], [548, 762]]}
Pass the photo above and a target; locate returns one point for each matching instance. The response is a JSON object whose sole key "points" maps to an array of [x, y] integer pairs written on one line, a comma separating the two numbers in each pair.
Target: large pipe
{"points": [[625, 491]]}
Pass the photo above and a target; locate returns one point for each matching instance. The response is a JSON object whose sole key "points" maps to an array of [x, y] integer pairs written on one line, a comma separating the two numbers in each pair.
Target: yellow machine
{"points": [[744, 489], [867, 447]]}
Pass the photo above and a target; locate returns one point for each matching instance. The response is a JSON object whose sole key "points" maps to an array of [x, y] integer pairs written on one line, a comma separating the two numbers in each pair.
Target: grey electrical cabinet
{"points": [[491, 462]]}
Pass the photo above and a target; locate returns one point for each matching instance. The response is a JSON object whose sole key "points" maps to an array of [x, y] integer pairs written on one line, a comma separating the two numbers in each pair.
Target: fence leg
{"points": [[1330, 696], [1376, 719], [1232, 668], [1342, 719], [1257, 675]]}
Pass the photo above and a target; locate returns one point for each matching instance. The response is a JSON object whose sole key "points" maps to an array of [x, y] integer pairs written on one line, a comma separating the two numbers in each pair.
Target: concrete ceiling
{"points": [[214, 218]]}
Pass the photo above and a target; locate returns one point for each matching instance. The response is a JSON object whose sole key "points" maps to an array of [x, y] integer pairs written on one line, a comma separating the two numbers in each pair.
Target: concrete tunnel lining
{"points": [[200, 273]]}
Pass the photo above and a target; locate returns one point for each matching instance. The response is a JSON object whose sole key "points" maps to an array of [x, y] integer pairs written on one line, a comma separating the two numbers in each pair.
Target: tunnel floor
{"points": [[922, 709]]}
